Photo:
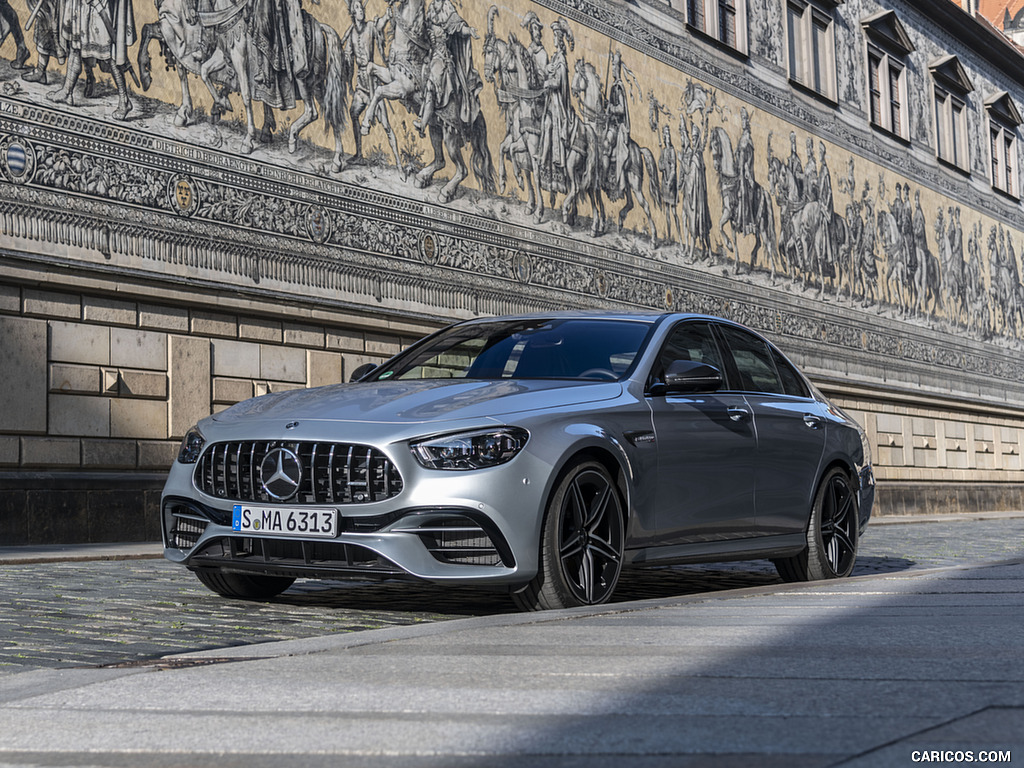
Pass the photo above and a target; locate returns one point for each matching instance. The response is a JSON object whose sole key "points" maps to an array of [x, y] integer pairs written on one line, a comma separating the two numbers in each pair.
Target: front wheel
{"points": [[243, 585], [582, 542], [832, 534]]}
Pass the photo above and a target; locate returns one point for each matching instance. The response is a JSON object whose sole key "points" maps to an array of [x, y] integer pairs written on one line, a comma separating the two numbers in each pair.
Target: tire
{"points": [[244, 585], [582, 541], [832, 533]]}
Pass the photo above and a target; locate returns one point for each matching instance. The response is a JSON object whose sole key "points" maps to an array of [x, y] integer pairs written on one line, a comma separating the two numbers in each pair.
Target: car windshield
{"points": [[576, 348]]}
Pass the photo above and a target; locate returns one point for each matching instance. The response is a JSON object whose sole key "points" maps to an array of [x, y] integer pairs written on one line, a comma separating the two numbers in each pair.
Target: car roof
{"points": [[594, 314]]}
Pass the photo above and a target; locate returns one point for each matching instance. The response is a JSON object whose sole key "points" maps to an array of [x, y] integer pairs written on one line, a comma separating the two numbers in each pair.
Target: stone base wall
{"points": [[101, 385]]}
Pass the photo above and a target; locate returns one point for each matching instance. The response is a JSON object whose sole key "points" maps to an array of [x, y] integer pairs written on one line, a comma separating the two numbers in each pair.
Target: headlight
{"points": [[191, 446], [471, 450]]}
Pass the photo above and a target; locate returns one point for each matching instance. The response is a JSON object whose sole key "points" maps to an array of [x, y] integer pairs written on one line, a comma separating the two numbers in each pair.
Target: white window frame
{"points": [[892, 92], [709, 22], [811, 43], [951, 128]]}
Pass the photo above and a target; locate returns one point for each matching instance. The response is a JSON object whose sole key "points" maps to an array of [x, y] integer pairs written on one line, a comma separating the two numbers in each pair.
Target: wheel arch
{"points": [[617, 467]]}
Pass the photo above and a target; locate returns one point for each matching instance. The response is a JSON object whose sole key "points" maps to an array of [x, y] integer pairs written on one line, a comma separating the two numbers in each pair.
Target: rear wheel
{"points": [[832, 534], [244, 585], [581, 543]]}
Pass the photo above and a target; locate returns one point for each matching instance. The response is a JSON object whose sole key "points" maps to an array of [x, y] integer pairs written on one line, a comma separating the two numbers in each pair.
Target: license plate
{"points": [[320, 522]]}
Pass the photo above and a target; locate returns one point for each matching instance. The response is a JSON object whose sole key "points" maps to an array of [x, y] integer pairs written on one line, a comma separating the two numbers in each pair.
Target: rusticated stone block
{"points": [[190, 383], [52, 304], [81, 379], [154, 454], [50, 452], [231, 391], [10, 451], [79, 343], [163, 318], [304, 336], [323, 368], [348, 342], [10, 298], [109, 311], [260, 330], [138, 418], [282, 364], [214, 324], [132, 348], [385, 346], [79, 415], [142, 384], [237, 359], [110, 454], [23, 362]]}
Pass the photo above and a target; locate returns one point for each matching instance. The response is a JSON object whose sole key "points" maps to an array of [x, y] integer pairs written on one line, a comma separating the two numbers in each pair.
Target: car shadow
{"points": [[435, 602]]}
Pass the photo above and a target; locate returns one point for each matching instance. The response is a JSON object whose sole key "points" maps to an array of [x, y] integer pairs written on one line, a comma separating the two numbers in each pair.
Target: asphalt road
{"points": [[132, 612]]}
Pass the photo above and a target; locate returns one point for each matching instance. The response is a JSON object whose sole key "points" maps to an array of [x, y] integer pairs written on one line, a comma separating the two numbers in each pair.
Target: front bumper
{"points": [[454, 545]]}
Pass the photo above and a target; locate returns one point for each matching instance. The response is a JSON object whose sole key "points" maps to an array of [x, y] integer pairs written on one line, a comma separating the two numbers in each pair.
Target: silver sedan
{"points": [[538, 455]]}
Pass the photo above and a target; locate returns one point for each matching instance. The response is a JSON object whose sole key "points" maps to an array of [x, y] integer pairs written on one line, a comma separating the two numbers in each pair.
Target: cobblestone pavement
{"points": [[73, 614]]}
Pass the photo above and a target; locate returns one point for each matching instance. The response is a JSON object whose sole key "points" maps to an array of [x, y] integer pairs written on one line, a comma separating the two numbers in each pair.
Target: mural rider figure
{"points": [[616, 138]]}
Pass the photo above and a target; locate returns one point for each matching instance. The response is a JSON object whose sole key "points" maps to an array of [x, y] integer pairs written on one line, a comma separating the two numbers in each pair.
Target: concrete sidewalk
{"points": [[861, 672]]}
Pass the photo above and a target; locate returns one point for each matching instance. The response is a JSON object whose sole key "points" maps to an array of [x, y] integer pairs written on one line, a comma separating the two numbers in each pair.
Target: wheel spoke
{"points": [[578, 505], [605, 549], [597, 510], [842, 538], [587, 577], [570, 549]]}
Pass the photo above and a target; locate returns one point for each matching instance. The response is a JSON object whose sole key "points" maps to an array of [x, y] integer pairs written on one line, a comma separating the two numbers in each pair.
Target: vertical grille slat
{"points": [[313, 475], [332, 473]]}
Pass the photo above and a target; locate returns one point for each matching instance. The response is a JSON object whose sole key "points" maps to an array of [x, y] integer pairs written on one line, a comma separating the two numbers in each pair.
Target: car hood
{"points": [[399, 402]]}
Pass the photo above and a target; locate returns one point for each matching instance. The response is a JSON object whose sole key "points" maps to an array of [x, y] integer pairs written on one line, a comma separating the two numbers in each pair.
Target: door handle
{"points": [[812, 421], [739, 414]]}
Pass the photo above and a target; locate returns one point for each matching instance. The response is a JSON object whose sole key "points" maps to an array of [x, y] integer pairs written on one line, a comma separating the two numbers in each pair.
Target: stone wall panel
{"points": [[23, 362]]}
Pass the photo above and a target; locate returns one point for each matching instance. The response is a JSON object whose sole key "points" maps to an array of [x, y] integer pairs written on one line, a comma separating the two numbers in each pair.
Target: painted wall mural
{"points": [[573, 128]]}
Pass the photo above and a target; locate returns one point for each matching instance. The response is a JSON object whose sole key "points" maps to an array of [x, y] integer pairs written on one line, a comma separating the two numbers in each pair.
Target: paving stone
{"points": [[72, 614]]}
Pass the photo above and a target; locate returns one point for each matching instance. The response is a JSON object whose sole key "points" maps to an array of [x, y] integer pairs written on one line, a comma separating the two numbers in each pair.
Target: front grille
{"points": [[332, 473]]}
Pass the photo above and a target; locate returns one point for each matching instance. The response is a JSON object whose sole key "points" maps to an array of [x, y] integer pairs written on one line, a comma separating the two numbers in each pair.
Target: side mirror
{"points": [[689, 376], [362, 371]]}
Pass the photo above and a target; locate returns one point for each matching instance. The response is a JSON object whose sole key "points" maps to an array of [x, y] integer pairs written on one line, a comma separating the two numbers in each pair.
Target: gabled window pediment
{"points": [[950, 73], [1000, 106], [885, 29]]}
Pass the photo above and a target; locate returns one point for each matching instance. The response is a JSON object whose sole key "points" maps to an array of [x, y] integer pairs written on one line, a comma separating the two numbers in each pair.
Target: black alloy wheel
{"points": [[582, 542], [832, 534]]}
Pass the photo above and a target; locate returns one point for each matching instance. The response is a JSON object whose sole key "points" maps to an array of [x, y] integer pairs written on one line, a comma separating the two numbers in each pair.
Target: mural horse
{"points": [[804, 226], [224, 66], [898, 279], [453, 123], [512, 71], [586, 85], [760, 222]]}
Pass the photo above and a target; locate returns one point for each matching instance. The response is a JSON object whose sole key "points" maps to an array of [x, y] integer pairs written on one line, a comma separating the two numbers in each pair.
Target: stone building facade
{"points": [[844, 176]]}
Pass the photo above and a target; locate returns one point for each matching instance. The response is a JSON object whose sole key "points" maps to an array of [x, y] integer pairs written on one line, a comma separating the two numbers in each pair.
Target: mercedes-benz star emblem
{"points": [[281, 473]]}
